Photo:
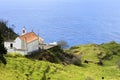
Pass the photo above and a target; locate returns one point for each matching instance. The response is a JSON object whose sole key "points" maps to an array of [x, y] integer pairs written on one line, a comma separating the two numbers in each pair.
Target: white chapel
{"points": [[24, 44]]}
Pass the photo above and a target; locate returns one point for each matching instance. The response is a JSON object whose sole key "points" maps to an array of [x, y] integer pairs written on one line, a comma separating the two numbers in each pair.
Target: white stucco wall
{"points": [[33, 46], [22, 47], [7, 46], [17, 43]]}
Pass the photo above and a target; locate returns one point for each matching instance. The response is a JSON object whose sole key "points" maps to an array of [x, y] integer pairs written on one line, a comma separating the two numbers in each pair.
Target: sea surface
{"points": [[74, 21]]}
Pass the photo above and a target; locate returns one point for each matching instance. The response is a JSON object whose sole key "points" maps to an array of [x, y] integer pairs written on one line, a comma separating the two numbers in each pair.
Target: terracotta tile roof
{"points": [[29, 37]]}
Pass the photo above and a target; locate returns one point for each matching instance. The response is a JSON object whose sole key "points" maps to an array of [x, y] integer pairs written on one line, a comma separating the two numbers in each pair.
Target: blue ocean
{"points": [[74, 21]]}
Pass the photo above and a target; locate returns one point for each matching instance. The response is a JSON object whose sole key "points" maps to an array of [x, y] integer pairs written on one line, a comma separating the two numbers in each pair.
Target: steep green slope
{"points": [[21, 68], [55, 55], [95, 52]]}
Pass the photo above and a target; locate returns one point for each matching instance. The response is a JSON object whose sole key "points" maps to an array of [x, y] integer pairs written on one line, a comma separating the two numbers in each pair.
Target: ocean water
{"points": [[74, 21]]}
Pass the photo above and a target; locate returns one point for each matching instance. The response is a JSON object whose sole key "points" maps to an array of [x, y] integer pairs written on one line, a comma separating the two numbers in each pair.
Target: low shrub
{"points": [[74, 47]]}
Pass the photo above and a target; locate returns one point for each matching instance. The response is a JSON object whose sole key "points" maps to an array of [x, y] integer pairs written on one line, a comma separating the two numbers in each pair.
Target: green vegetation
{"points": [[62, 44], [2, 50], [118, 63], [19, 67], [55, 55], [6, 31], [95, 52]]}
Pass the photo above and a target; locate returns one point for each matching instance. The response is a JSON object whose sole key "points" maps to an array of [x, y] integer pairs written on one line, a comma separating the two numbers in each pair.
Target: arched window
{"points": [[23, 31], [11, 45]]}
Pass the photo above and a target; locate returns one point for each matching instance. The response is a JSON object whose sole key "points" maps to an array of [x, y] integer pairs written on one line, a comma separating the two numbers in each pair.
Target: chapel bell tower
{"points": [[23, 31]]}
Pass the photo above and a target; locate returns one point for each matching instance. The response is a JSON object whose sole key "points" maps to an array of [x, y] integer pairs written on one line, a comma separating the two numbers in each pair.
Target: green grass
{"points": [[20, 68], [91, 51]]}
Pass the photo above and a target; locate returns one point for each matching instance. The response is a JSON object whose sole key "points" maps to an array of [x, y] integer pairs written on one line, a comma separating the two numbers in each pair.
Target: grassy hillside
{"points": [[95, 52], [55, 55], [22, 68]]}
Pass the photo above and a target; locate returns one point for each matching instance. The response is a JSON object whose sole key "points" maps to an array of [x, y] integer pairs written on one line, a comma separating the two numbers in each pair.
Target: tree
{"points": [[63, 44], [7, 32], [2, 50]]}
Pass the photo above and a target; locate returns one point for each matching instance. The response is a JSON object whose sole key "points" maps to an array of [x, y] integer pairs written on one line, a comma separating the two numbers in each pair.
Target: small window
{"points": [[23, 31], [11, 45]]}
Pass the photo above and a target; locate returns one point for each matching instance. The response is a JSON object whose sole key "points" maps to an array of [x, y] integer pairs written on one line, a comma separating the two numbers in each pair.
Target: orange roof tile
{"points": [[29, 37]]}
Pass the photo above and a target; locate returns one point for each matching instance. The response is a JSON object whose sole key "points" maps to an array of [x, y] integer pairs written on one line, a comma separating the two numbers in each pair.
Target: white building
{"points": [[24, 44]]}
